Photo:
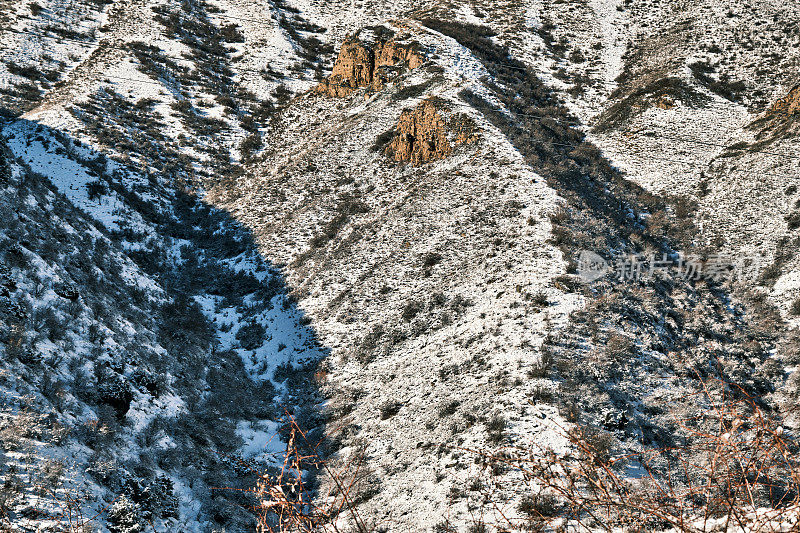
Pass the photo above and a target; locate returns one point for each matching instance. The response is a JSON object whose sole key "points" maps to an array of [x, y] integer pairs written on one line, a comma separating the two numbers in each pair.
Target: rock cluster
{"points": [[789, 104], [363, 64], [423, 134]]}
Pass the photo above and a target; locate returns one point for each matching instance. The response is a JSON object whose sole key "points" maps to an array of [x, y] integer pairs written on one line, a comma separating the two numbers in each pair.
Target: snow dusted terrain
{"points": [[197, 245], [398, 330]]}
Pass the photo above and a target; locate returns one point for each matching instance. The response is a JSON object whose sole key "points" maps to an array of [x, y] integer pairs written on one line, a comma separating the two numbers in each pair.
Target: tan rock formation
{"points": [[360, 64], [423, 134], [353, 68], [789, 104], [391, 53]]}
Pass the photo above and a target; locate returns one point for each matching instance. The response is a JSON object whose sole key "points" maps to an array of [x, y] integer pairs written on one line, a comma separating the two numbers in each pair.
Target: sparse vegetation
{"points": [[390, 409], [728, 470], [496, 428], [148, 346]]}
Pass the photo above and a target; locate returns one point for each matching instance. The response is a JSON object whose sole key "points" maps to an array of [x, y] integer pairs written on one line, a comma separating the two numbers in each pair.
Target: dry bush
{"points": [[68, 514], [287, 501], [737, 471]]}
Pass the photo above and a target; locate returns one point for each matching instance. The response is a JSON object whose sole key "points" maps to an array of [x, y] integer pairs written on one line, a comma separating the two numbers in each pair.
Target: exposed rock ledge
{"points": [[789, 104], [366, 64], [780, 120], [423, 134]]}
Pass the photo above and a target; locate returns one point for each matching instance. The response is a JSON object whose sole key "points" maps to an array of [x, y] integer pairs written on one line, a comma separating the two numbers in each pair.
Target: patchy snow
{"points": [[474, 331], [45, 155], [261, 440]]}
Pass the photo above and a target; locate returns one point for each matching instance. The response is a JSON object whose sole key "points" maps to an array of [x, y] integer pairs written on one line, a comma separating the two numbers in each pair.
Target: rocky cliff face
{"points": [[423, 134], [789, 104], [365, 64]]}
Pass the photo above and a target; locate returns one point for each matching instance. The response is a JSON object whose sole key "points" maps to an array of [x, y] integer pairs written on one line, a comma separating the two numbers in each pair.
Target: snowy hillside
{"points": [[225, 219]]}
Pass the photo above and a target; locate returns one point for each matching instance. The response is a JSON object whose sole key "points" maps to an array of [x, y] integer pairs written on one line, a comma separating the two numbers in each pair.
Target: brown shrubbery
{"points": [[287, 501], [736, 470]]}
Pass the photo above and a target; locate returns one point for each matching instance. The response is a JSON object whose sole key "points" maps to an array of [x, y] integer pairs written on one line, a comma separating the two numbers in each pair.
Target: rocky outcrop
{"points": [[423, 134], [364, 64], [392, 53], [780, 120], [788, 105]]}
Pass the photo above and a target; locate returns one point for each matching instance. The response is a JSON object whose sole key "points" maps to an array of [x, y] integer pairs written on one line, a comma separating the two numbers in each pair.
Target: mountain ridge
{"points": [[367, 217]]}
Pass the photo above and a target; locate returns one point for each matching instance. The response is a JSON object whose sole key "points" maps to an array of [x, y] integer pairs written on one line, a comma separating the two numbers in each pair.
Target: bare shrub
{"points": [[496, 428], [542, 365], [736, 470], [287, 501], [795, 307], [618, 347]]}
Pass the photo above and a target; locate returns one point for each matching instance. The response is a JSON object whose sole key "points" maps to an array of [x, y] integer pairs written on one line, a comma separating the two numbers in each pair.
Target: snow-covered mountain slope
{"points": [[143, 333], [432, 286], [686, 119], [377, 253], [171, 321], [203, 236]]}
